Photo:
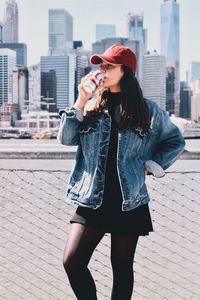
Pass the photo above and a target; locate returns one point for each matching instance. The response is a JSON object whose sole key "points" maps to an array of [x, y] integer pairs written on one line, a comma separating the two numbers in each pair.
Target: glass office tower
{"points": [[169, 35], [136, 30], [20, 49], [105, 31], [60, 31], [57, 81]]}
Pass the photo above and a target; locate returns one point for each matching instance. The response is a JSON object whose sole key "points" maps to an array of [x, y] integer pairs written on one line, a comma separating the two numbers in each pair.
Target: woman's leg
{"points": [[122, 255], [81, 243]]}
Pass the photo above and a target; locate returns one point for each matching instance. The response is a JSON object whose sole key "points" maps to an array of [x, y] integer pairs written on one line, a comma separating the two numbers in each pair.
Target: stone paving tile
{"points": [[35, 223]]}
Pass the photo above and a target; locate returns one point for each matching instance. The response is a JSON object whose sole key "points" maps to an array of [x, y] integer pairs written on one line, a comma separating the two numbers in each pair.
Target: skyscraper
{"points": [[185, 98], [20, 86], [135, 46], [57, 80], [195, 102], [169, 42], [21, 50], [10, 28], [34, 86], [82, 68], [1, 33], [170, 89], [194, 71], [136, 30], [60, 31], [105, 31], [172, 84], [169, 30], [154, 85], [7, 63]]}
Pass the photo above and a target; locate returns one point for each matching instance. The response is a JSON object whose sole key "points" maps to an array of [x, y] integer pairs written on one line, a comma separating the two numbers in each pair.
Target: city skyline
{"points": [[99, 11]]}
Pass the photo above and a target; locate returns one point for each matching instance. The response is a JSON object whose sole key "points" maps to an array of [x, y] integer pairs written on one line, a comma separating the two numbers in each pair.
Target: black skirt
{"points": [[109, 217]]}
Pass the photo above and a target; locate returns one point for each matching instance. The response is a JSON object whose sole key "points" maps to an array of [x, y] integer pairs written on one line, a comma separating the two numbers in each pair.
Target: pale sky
{"points": [[33, 23]]}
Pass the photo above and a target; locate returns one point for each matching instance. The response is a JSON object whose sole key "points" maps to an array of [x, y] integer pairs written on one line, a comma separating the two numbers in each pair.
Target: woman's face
{"points": [[112, 76]]}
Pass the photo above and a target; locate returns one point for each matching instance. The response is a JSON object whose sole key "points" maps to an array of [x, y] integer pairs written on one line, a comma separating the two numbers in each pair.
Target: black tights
{"points": [[79, 248]]}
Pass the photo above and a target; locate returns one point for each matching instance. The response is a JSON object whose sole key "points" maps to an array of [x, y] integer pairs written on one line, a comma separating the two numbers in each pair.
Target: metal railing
{"points": [[35, 224]]}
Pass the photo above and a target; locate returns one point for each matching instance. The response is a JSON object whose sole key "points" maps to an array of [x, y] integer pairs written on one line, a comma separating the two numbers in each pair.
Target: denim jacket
{"points": [[155, 150]]}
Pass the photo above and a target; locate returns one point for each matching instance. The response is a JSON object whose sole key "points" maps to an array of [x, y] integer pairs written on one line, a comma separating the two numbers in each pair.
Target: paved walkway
{"points": [[35, 223]]}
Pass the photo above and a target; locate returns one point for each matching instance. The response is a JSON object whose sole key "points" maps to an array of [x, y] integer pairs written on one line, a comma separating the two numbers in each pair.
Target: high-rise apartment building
{"points": [[57, 81], [10, 24], [60, 31], [105, 31], [21, 50], [136, 29], [154, 84]]}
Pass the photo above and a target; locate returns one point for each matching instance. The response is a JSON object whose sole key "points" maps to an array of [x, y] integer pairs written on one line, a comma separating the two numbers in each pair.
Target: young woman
{"points": [[121, 137]]}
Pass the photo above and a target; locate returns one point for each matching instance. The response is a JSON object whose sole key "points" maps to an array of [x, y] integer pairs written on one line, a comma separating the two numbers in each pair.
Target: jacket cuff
{"points": [[72, 113], [154, 168]]}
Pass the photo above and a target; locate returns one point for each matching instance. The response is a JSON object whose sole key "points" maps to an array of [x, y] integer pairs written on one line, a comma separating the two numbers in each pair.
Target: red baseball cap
{"points": [[116, 54]]}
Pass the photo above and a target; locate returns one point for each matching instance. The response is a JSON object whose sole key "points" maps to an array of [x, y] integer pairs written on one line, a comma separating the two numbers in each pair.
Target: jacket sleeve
{"points": [[68, 131], [171, 143]]}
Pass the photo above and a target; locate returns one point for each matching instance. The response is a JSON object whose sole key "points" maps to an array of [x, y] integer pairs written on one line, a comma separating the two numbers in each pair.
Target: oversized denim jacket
{"points": [[156, 150]]}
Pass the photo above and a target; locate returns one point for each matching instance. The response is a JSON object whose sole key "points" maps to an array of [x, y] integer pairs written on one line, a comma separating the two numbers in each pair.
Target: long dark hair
{"points": [[134, 112]]}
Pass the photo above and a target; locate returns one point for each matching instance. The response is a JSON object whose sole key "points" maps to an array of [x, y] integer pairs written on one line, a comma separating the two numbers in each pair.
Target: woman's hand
{"points": [[83, 96]]}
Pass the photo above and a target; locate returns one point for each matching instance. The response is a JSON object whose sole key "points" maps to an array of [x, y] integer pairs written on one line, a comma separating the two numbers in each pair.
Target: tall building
{"points": [[136, 30], [169, 30], [34, 87], [105, 31], [154, 85], [170, 89], [21, 50], [77, 44], [7, 64], [135, 46], [138, 49], [20, 86], [169, 42], [60, 31], [195, 102], [57, 81], [82, 68], [194, 71], [185, 101], [10, 28], [1, 33], [7, 108]]}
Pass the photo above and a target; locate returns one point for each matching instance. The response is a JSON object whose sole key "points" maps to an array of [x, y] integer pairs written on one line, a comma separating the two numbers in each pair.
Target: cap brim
{"points": [[97, 59]]}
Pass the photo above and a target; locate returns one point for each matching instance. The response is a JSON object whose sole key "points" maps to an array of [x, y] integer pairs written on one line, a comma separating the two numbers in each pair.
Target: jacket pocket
{"points": [[88, 126]]}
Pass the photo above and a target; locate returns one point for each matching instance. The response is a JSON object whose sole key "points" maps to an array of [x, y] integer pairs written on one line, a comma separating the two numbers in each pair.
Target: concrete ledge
{"points": [[187, 155], [190, 155], [37, 155]]}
